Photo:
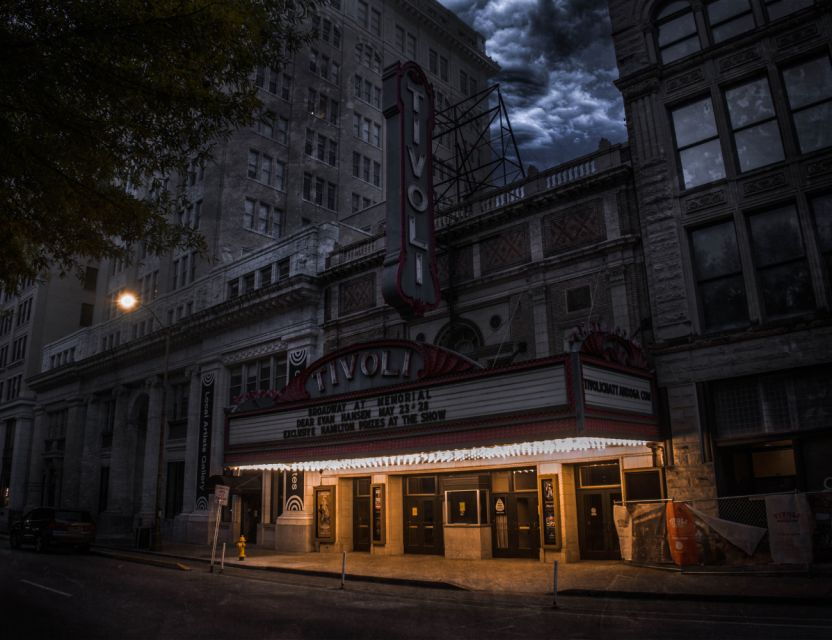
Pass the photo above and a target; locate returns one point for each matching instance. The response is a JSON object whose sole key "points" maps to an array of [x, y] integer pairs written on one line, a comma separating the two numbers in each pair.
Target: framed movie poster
{"points": [[550, 512], [325, 513], [377, 497]]}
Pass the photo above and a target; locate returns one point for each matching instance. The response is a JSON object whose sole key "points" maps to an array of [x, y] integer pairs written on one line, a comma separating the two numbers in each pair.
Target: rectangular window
{"points": [[443, 68], [376, 138], [822, 208], [310, 142], [809, 88], [729, 18], [779, 8], [362, 13], [718, 272], [282, 130], [697, 142], [248, 214], [266, 276], [234, 288], [331, 196], [433, 61], [266, 169], [248, 282], [754, 123], [780, 260], [375, 21], [356, 164], [252, 164], [319, 191], [235, 382], [286, 87], [263, 219], [411, 46], [356, 204], [399, 39], [463, 82], [279, 182], [307, 187], [377, 174], [283, 269]]}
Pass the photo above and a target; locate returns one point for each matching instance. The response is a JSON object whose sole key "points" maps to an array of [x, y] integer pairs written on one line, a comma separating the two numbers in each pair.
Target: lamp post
{"points": [[128, 302]]}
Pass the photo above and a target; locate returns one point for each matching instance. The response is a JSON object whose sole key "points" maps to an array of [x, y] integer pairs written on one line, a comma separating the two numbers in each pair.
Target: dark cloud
{"points": [[558, 68]]}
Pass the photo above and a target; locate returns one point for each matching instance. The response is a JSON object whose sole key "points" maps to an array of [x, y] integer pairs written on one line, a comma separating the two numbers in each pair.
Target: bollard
{"points": [[343, 568], [222, 559], [555, 586]]}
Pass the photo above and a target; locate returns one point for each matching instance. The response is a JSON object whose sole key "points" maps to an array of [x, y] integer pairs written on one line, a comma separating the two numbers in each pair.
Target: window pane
{"points": [[721, 10], [814, 127], [823, 221], [673, 7], [787, 289], [775, 236], [733, 27], [702, 164], [680, 49], [808, 82], [749, 103], [694, 122], [759, 145], [723, 302], [715, 251], [676, 29], [779, 8]]}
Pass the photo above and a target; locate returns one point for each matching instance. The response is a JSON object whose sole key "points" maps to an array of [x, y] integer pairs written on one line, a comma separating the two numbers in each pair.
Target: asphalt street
{"points": [[66, 595]]}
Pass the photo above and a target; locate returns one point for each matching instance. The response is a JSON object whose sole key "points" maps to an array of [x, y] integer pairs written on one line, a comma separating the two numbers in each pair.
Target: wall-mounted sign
{"points": [[203, 449], [325, 514], [221, 494], [615, 390], [550, 511], [410, 281], [294, 491], [482, 397], [377, 497]]}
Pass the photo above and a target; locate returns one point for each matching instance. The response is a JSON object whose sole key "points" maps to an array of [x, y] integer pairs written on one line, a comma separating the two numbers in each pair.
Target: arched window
{"points": [[461, 336], [677, 35]]}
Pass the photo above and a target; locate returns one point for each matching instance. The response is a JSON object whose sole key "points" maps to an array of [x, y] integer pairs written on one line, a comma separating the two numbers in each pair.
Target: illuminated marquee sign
{"points": [[410, 281]]}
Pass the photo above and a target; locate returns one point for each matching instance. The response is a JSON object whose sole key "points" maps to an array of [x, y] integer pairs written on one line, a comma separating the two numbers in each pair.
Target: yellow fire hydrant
{"points": [[241, 548]]}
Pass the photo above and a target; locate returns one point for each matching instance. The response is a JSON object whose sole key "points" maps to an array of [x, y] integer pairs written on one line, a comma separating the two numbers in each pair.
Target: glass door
{"points": [[422, 516], [361, 514]]}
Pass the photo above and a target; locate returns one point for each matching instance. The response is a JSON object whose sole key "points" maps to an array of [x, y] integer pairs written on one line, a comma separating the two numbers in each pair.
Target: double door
{"points": [[515, 528], [423, 525], [596, 526]]}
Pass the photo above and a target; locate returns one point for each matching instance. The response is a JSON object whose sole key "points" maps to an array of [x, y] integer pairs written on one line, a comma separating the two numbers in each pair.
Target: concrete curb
{"points": [[146, 557], [698, 597]]}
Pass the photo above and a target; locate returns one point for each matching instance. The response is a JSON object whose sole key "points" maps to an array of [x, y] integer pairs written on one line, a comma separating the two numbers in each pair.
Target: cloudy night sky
{"points": [[558, 68]]}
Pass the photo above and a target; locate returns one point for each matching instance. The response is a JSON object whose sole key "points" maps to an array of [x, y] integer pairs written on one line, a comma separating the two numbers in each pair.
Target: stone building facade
{"points": [[728, 113]]}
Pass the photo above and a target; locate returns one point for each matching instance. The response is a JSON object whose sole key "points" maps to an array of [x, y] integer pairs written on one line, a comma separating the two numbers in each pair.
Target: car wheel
{"points": [[40, 544]]}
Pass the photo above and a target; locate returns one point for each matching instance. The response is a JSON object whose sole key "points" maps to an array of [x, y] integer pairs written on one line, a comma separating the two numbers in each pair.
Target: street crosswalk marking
{"points": [[40, 586]]}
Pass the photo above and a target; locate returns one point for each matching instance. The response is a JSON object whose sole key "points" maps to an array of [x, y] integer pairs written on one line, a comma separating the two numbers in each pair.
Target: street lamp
{"points": [[128, 301]]}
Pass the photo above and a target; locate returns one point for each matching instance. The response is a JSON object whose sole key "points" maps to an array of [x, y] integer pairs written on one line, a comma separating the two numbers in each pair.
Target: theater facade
{"points": [[395, 446]]}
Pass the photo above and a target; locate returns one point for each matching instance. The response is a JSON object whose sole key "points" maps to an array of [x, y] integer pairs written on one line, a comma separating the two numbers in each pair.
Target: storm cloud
{"points": [[558, 68]]}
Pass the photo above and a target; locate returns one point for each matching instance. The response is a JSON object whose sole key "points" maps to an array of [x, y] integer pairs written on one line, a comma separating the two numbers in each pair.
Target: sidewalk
{"points": [[518, 576]]}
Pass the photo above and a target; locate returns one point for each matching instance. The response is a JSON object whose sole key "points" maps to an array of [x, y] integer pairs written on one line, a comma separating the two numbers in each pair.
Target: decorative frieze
{"points": [[705, 200], [575, 227], [824, 165], [797, 36], [766, 183], [357, 294], [509, 248], [738, 59], [684, 80]]}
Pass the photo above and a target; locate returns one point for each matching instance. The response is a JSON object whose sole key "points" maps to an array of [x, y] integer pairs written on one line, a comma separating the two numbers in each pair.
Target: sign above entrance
{"points": [[373, 365], [410, 282]]}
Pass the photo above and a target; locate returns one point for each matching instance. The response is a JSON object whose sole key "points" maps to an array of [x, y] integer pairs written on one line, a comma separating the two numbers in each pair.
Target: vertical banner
{"points": [[325, 514], [550, 511], [410, 280], [681, 534], [294, 491], [377, 497], [203, 449], [789, 528]]}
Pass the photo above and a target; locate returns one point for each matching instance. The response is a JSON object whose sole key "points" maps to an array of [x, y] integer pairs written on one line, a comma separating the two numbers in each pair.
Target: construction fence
{"points": [[755, 530]]}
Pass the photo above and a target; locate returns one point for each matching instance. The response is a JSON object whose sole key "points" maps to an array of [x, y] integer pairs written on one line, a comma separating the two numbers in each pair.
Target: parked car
{"points": [[46, 527]]}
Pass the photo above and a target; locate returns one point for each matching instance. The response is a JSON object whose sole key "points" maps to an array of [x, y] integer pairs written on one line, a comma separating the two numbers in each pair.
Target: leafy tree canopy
{"points": [[97, 95]]}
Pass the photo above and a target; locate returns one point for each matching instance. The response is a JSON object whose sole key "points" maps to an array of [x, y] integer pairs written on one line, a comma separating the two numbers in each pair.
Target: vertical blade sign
{"points": [[410, 282]]}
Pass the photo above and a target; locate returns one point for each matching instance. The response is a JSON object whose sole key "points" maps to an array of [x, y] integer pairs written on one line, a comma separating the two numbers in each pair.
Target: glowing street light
{"points": [[128, 301]]}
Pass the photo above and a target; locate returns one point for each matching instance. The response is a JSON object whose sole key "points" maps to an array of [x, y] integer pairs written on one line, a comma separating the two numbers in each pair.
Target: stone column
{"points": [[91, 456], [151, 451], [540, 312], [18, 485], [119, 506], [37, 428], [73, 450], [192, 444]]}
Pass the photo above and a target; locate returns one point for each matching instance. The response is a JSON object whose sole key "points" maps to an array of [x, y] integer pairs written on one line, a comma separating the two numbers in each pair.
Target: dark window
{"points": [[266, 276], [697, 141], [809, 87], [234, 288], [248, 282], [90, 278], [643, 485], [677, 36], [729, 18], [235, 384], [779, 8], [578, 299], [421, 485], [86, 314], [822, 208], [524, 480], [756, 135], [602, 474], [719, 279], [283, 269], [780, 259], [361, 487]]}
